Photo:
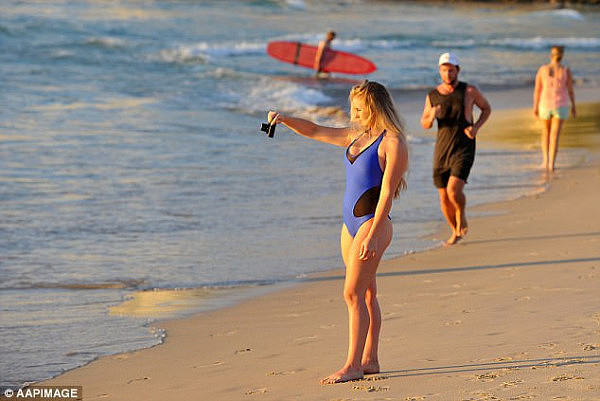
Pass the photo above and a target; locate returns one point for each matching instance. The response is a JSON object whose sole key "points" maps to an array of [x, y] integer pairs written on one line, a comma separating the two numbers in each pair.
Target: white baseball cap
{"points": [[449, 58]]}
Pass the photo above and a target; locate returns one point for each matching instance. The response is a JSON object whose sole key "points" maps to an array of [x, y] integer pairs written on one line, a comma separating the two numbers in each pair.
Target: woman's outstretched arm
{"points": [[334, 136]]}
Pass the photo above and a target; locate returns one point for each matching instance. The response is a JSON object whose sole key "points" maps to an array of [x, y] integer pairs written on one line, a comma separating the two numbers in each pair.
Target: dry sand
{"points": [[510, 313]]}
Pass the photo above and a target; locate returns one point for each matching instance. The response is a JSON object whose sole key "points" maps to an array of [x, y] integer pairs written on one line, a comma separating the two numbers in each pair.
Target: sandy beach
{"points": [[510, 313]]}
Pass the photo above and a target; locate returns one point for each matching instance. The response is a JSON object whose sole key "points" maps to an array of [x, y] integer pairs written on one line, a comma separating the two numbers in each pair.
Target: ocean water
{"points": [[131, 160]]}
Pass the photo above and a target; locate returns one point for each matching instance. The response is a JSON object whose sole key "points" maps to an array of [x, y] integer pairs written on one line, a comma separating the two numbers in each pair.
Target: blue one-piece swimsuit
{"points": [[363, 186]]}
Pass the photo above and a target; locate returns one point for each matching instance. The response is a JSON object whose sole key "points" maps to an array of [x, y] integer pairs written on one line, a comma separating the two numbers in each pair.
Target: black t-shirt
{"points": [[452, 141]]}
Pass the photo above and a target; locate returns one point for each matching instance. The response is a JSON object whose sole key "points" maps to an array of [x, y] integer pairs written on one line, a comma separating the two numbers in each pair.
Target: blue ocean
{"points": [[131, 161]]}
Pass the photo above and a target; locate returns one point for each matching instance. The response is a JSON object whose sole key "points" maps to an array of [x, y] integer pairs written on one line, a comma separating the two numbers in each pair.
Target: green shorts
{"points": [[560, 112]]}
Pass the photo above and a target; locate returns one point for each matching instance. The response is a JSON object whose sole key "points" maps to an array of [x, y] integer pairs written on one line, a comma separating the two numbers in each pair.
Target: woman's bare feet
{"points": [[344, 375], [370, 368]]}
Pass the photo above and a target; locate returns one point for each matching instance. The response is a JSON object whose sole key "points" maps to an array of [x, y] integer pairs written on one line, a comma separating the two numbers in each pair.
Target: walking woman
{"points": [[376, 159], [551, 96]]}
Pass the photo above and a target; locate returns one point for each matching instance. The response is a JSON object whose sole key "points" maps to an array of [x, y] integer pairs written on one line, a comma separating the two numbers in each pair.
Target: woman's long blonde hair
{"points": [[382, 113]]}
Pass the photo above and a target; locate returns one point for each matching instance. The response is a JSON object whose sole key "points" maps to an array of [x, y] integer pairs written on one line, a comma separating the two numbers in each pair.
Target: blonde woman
{"points": [[551, 96], [376, 159]]}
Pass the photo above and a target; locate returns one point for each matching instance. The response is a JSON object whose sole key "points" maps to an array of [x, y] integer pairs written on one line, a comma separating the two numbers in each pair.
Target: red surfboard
{"points": [[333, 60]]}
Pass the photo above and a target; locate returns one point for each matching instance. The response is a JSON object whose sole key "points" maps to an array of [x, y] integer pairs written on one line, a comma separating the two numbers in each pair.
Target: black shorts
{"points": [[459, 167]]}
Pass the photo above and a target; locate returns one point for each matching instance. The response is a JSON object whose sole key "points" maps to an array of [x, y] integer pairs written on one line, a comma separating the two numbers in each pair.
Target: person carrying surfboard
{"points": [[324, 45], [321, 58]]}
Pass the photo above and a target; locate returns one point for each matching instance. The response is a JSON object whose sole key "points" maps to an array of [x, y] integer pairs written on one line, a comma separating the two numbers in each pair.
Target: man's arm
{"points": [[319, 56], [429, 114], [480, 101]]}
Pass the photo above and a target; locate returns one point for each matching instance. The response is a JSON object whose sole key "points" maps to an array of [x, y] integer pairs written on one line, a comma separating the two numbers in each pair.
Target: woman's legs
{"points": [[556, 126], [360, 278], [546, 124], [370, 359]]}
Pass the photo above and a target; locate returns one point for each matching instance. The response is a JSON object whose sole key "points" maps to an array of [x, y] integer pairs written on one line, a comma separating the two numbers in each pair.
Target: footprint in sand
{"points": [[390, 316], [296, 314], [511, 383], [256, 391], [306, 340], [243, 350], [563, 378], [487, 377], [484, 397], [210, 365], [572, 361], [591, 347], [370, 389], [542, 365], [596, 318], [225, 334], [138, 379], [284, 372], [523, 397]]}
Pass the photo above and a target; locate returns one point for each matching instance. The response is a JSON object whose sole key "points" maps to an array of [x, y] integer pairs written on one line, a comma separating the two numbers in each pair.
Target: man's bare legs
{"points": [[452, 203], [448, 210], [361, 301]]}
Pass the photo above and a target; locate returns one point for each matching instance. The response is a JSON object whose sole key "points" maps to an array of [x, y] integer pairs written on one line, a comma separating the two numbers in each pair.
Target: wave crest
{"points": [[204, 51]]}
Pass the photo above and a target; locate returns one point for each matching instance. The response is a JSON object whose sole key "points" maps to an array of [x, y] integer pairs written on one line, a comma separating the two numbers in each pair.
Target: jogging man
{"points": [[451, 103]]}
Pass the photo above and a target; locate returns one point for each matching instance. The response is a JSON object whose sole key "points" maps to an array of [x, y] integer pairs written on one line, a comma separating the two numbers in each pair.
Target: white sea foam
{"points": [[534, 43], [351, 44], [465, 43], [540, 42], [358, 45], [561, 13], [281, 95], [297, 4], [207, 51], [537, 42], [106, 42]]}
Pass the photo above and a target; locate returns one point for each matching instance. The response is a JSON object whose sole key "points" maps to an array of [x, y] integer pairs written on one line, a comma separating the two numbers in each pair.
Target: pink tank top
{"points": [[554, 88]]}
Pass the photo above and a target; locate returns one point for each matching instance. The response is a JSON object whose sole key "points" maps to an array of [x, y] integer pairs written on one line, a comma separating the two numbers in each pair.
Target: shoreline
{"points": [[290, 287], [227, 295], [208, 353]]}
